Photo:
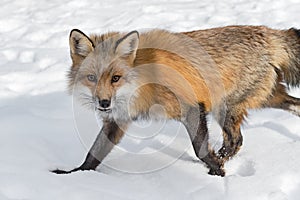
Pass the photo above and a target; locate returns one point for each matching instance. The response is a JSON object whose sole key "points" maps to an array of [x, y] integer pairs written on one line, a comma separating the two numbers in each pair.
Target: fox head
{"points": [[101, 72]]}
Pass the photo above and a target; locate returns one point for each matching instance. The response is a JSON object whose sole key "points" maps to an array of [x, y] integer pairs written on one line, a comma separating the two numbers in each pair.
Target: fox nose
{"points": [[105, 103]]}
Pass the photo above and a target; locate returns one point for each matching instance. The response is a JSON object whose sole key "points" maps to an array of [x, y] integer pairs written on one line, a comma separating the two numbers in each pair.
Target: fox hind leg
{"points": [[232, 137], [281, 100], [292, 105], [288, 103]]}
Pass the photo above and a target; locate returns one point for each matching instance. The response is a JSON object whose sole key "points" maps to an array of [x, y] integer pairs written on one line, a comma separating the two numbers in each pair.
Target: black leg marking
{"points": [[108, 137], [90, 163], [196, 126]]}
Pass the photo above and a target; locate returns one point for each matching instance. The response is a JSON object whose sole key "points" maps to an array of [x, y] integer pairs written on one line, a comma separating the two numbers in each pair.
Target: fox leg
{"points": [[290, 104], [281, 100], [232, 137], [109, 136], [196, 125]]}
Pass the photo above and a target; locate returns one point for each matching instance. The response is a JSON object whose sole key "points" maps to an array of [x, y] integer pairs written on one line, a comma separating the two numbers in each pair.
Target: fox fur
{"points": [[225, 70]]}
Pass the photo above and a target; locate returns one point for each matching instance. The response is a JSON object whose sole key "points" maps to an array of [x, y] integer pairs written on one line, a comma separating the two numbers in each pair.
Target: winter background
{"points": [[42, 129]]}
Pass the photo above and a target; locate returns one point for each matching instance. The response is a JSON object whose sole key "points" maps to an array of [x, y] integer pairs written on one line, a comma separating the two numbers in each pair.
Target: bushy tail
{"points": [[291, 70]]}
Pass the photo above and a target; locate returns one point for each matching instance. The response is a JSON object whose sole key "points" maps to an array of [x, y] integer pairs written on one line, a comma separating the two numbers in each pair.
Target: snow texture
{"points": [[42, 128]]}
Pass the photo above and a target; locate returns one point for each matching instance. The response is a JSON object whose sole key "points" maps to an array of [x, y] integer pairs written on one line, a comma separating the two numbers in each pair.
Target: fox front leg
{"points": [[109, 136], [196, 125]]}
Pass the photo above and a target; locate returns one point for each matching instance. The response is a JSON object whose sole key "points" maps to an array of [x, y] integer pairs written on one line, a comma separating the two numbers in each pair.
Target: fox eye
{"points": [[115, 78], [92, 78]]}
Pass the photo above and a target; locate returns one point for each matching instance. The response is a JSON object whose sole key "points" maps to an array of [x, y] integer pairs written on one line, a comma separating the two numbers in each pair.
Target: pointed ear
{"points": [[128, 45], [80, 44]]}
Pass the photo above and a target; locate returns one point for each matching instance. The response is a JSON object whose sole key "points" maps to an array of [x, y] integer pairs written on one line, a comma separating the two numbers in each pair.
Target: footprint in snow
{"points": [[240, 167], [247, 168]]}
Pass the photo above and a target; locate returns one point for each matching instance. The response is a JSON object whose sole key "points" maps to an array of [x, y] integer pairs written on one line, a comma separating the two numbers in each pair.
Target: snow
{"points": [[44, 129]]}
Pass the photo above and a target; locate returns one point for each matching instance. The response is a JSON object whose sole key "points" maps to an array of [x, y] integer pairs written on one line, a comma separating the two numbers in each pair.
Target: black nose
{"points": [[105, 103]]}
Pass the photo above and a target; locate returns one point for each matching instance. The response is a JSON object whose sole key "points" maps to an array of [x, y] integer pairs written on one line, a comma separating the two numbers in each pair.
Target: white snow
{"points": [[41, 128]]}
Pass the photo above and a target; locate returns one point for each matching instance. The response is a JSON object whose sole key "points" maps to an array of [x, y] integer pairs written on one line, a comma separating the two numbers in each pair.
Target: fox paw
{"points": [[217, 172], [58, 171]]}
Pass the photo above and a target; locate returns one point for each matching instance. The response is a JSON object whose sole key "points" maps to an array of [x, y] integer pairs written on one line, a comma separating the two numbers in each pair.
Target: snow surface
{"points": [[41, 128]]}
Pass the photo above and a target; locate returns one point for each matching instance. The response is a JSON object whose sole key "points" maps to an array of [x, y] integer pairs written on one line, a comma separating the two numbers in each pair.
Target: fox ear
{"points": [[80, 44], [128, 45]]}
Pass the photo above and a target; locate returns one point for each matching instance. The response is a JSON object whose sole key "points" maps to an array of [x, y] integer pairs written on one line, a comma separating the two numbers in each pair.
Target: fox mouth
{"points": [[107, 110]]}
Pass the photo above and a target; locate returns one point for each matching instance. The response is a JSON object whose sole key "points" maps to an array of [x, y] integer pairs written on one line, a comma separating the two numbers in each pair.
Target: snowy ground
{"points": [[40, 130]]}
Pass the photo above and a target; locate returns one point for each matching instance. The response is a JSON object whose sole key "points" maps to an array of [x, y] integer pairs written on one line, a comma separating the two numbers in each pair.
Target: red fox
{"points": [[223, 71]]}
